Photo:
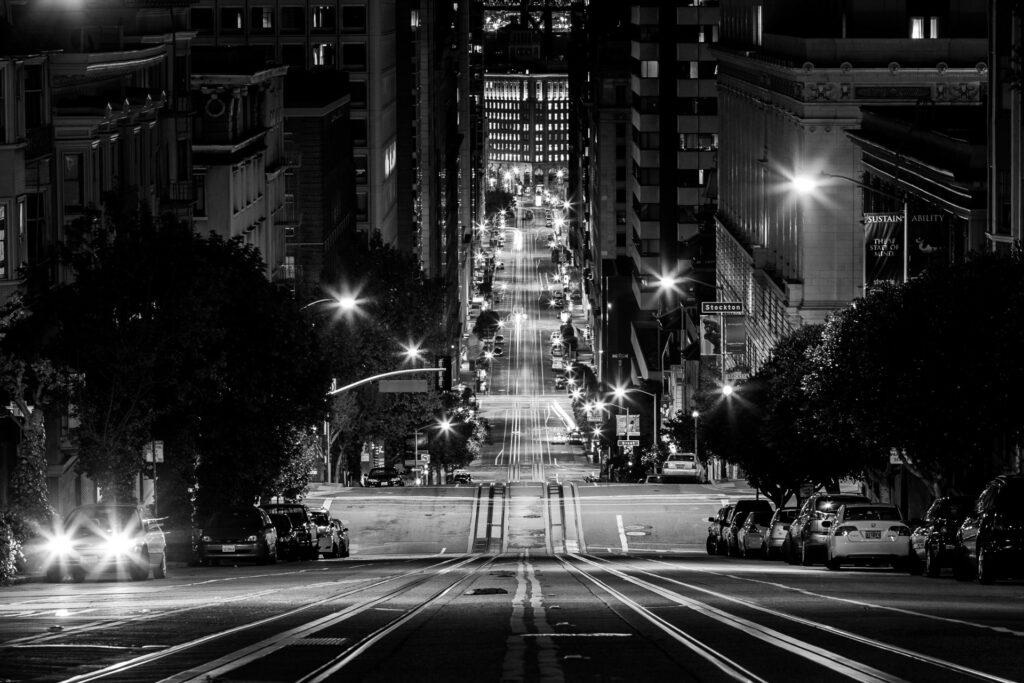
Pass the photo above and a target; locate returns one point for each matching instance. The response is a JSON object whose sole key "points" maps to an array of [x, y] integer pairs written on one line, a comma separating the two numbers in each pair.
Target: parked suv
{"points": [[715, 530], [304, 532], [933, 542], [737, 517], [990, 542], [806, 537]]}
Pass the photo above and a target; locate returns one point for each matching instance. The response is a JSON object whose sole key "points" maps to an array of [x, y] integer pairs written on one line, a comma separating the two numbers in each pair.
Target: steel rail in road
{"points": [[154, 591], [261, 650], [118, 668], [667, 588]]}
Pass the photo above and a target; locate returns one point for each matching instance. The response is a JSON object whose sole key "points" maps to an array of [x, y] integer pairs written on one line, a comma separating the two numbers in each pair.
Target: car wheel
{"points": [[711, 546], [160, 571], [139, 570], [334, 550], [722, 548], [986, 575], [787, 552], [961, 568], [54, 574], [932, 566], [314, 554], [344, 552], [832, 563], [915, 567]]}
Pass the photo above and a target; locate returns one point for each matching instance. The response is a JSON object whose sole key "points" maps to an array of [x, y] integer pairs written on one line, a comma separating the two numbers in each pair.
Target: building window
{"points": [[262, 19], [323, 18], [231, 19], [3, 242], [202, 20], [358, 127], [362, 202], [353, 18], [924, 27], [649, 68], [357, 91], [390, 157], [323, 54], [34, 111], [361, 170], [74, 182], [293, 20], [353, 56]]}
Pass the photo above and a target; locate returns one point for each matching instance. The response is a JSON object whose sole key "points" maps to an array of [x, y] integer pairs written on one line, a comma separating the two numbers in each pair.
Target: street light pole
{"points": [[696, 415]]}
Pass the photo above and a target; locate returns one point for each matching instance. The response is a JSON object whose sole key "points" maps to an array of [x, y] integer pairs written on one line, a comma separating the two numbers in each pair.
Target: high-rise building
{"points": [[358, 38], [794, 79], [674, 142]]}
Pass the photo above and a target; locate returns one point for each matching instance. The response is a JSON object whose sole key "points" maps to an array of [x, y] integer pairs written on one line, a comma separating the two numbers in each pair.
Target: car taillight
{"points": [[844, 530], [900, 530]]}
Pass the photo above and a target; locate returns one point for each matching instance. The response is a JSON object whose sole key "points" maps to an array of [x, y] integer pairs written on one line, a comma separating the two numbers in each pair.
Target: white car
{"points": [[867, 533], [682, 465]]}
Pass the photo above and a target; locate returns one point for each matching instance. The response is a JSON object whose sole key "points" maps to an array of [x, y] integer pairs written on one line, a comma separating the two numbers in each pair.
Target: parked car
{"points": [[933, 539], [102, 538], [752, 537], [715, 530], [462, 477], [306, 538], [682, 466], [736, 519], [866, 533], [560, 382], [575, 437], [237, 533], [806, 537], [384, 476], [654, 479], [287, 543], [333, 541], [777, 529], [990, 542]]}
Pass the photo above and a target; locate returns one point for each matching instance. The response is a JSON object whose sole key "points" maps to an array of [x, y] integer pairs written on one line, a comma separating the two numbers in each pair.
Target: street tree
{"points": [[182, 338]]}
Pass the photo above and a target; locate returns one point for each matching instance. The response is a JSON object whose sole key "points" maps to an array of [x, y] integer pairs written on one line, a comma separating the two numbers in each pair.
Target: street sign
{"points": [[154, 451], [719, 307], [628, 442]]}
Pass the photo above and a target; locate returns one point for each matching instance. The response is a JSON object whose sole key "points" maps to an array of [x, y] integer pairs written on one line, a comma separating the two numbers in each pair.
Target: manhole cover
{"points": [[636, 533], [487, 591]]}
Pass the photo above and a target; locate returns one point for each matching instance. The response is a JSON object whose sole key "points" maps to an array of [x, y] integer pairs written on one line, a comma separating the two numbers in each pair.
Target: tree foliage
{"points": [[179, 337]]}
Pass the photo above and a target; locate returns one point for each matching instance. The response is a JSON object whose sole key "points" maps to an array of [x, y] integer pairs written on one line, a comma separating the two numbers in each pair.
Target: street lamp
{"points": [[695, 415], [620, 392], [806, 185]]}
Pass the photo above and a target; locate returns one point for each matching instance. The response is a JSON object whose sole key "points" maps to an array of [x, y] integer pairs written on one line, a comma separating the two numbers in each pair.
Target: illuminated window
{"points": [[649, 68]]}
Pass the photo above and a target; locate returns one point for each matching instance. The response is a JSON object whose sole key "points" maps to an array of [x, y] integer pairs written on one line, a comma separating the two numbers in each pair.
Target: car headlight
{"points": [[206, 539], [121, 545], [251, 538], [58, 545]]}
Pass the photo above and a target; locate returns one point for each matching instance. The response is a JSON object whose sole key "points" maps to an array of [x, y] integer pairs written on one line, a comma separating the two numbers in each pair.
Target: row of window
{"points": [[682, 106], [694, 69], [286, 20], [539, 158]]}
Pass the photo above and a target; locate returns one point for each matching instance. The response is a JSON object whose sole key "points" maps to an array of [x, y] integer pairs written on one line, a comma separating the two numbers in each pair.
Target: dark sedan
{"points": [[990, 542], [933, 541], [384, 476], [238, 533]]}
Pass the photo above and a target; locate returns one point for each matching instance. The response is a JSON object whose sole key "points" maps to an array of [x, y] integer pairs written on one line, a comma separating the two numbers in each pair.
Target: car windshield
{"points": [[787, 515], [281, 522], [321, 518], [875, 512], [296, 515], [103, 520], [833, 503], [761, 518], [383, 472], [681, 457], [227, 518]]}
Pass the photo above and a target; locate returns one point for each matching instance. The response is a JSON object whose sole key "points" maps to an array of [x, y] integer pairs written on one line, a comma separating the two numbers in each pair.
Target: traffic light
{"points": [[444, 378]]}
